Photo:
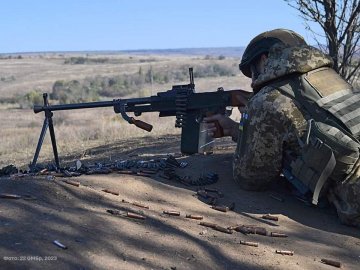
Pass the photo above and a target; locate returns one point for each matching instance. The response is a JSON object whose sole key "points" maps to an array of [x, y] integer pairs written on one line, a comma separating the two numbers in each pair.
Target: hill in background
{"points": [[221, 51]]}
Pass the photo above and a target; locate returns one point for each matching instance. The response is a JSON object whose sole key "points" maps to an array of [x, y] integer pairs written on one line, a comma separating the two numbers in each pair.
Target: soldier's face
{"points": [[258, 67]]}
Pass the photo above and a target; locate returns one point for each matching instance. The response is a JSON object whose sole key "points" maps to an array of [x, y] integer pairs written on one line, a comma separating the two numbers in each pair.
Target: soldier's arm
{"points": [[263, 130]]}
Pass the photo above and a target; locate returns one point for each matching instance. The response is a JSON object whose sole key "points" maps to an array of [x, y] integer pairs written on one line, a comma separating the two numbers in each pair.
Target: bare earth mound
{"points": [[77, 217]]}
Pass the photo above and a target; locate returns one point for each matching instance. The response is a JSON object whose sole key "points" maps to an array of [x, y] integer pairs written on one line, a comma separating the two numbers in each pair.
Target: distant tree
{"points": [[340, 21]]}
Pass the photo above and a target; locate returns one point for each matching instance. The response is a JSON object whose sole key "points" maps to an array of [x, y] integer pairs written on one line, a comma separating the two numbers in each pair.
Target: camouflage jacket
{"points": [[272, 123]]}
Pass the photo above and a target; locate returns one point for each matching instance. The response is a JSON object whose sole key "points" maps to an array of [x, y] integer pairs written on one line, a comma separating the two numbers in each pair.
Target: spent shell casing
{"points": [[208, 224], [247, 243], [57, 243], [198, 217], [250, 229], [140, 205], [275, 234], [134, 215], [9, 196], [270, 217], [220, 208], [111, 192], [331, 262], [171, 212], [285, 252], [73, 183], [222, 229]]}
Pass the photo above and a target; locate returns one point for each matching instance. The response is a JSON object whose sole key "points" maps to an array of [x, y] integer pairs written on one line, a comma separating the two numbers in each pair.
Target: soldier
{"points": [[303, 121]]}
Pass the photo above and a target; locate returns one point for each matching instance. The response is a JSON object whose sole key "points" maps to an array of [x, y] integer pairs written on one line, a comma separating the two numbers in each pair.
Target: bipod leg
{"points": [[39, 144], [53, 142]]}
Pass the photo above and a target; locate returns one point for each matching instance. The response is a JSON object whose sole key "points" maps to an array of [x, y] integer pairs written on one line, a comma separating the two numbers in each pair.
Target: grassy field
{"points": [[78, 131]]}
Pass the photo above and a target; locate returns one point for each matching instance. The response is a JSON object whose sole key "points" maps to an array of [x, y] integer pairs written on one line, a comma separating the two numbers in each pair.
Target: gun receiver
{"points": [[181, 101]]}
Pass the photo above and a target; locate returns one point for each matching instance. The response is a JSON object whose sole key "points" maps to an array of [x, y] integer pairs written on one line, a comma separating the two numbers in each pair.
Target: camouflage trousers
{"points": [[346, 198]]}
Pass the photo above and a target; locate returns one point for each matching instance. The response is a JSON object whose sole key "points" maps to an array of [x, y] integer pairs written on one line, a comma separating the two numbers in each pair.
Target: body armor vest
{"points": [[330, 146]]}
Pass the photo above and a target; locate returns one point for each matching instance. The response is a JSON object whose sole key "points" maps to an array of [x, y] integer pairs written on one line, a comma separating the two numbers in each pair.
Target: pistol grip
{"points": [[141, 124]]}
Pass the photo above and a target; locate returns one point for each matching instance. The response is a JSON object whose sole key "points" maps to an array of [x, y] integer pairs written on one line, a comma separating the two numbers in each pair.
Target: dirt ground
{"points": [[51, 209]]}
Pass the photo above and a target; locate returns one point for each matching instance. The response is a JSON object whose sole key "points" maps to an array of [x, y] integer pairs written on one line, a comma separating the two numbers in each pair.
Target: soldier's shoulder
{"points": [[269, 97], [277, 106]]}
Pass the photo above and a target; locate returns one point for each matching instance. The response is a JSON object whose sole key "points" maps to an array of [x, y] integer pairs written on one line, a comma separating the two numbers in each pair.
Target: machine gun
{"points": [[181, 101]]}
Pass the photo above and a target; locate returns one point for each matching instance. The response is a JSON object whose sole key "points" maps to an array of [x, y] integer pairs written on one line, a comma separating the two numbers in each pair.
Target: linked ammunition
{"points": [[56, 174], [202, 193], [331, 262], [285, 252], [143, 174], [67, 173], [148, 171], [215, 191]]}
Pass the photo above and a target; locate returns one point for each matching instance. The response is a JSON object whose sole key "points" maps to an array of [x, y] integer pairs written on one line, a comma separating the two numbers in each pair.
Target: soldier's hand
{"points": [[229, 126]]}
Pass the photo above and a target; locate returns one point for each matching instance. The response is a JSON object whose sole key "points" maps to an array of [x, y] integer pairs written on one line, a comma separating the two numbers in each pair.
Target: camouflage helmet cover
{"points": [[262, 44]]}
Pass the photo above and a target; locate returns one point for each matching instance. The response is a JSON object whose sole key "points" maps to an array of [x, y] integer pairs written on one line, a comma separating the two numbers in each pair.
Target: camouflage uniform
{"points": [[272, 124]]}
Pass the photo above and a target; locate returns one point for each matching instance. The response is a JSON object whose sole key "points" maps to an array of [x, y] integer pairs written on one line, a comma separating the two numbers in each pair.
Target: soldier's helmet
{"points": [[262, 44]]}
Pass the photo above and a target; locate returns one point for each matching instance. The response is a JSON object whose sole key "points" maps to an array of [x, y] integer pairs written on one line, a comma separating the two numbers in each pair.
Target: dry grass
{"points": [[79, 130]]}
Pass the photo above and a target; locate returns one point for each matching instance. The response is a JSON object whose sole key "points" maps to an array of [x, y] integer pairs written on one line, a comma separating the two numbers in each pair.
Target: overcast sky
{"points": [[82, 25]]}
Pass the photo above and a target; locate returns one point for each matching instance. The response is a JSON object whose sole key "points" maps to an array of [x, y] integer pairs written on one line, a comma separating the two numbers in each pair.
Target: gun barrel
{"points": [[87, 105], [63, 107]]}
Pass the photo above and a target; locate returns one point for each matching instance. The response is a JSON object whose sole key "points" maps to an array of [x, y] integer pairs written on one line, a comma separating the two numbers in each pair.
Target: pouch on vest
{"points": [[326, 153], [330, 148]]}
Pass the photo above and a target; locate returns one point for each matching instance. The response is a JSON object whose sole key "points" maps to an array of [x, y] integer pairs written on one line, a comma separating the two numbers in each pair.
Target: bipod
{"points": [[48, 123]]}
